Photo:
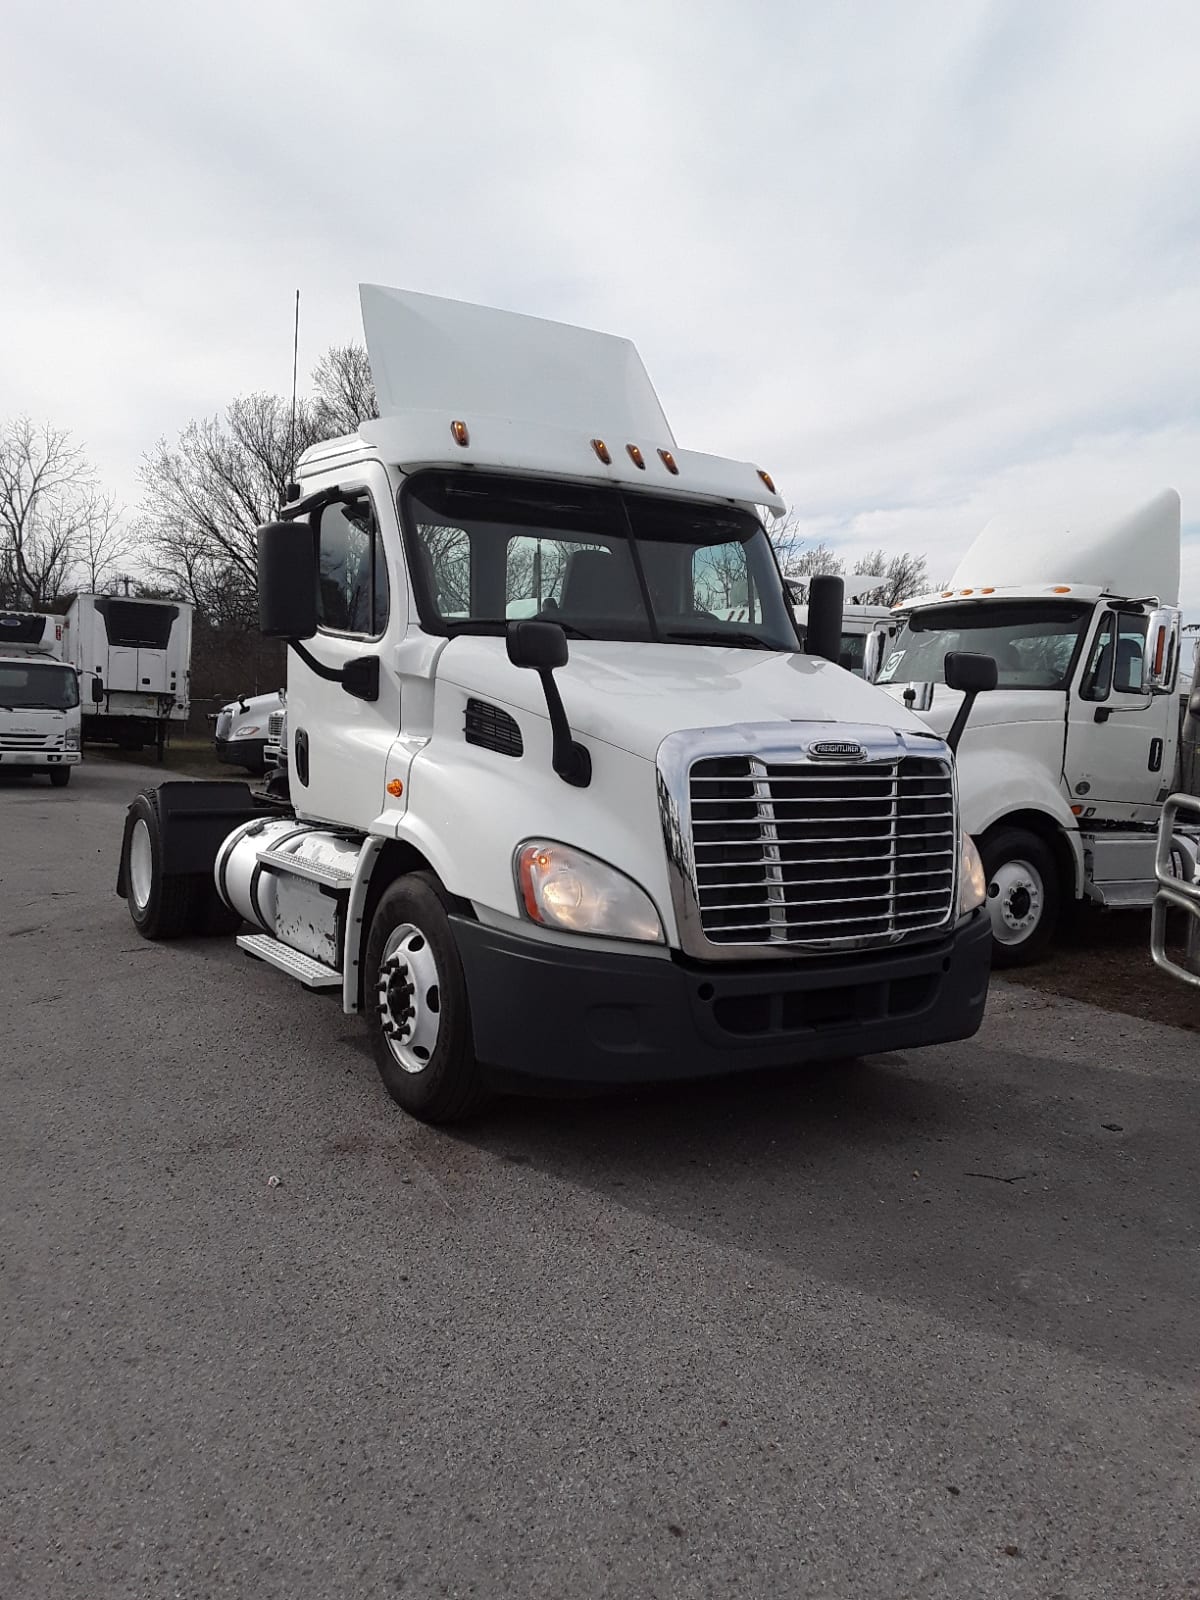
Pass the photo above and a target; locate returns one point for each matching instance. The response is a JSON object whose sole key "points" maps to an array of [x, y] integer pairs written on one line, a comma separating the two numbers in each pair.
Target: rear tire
{"points": [[162, 906], [416, 1005], [1024, 895], [60, 777]]}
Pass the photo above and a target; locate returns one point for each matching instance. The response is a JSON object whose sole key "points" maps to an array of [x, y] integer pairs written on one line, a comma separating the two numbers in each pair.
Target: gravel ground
{"points": [[921, 1327]]}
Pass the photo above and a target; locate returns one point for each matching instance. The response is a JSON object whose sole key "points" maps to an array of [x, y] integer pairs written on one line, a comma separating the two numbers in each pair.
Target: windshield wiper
{"points": [[734, 637]]}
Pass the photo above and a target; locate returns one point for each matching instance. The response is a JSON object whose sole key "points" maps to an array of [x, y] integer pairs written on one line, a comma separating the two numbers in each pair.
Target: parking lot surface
{"points": [[923, 1326]]}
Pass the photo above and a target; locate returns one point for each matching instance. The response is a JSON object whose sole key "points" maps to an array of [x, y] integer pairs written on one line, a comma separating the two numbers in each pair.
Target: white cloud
{"points": [[921, 262]]}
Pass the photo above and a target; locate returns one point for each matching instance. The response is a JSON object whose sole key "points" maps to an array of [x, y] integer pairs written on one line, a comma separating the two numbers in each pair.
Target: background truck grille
{"points": [[808, 854], [29, 741], [275, 725]]}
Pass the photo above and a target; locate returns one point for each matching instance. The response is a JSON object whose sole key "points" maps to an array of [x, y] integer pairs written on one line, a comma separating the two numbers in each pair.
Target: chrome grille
{"points": [[29, 741], [814, 854], [275, 725]]}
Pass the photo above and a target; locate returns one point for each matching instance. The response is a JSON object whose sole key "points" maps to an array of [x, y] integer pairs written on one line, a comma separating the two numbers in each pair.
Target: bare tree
{"points": [[817, 559], [105, 546], [55, 522], [904, 575], [207, 495], [345, 390]]}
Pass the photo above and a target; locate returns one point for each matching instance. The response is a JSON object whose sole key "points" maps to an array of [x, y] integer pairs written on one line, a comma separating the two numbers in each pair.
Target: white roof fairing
{"points": [[533, 394]]}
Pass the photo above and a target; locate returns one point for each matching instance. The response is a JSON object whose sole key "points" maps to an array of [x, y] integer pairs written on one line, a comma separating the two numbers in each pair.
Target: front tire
{"points": [[1024, 898], [417, 1008], [60, 777]]}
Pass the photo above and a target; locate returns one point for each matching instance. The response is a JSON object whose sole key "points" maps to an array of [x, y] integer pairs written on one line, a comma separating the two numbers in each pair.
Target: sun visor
{"points": [[429, 354]]}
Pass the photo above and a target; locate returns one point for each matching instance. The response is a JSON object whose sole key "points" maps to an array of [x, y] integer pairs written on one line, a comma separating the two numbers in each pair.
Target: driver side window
{"points": [[352, 588]]}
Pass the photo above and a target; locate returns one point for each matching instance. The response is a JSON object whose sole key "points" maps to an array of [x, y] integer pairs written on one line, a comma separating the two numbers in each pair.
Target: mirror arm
{"points": [[960, 719], [330, 674], [571, 760]]}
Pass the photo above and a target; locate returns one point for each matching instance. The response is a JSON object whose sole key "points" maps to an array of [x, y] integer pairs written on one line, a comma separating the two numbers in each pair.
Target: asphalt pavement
{"points": [[923, 1326]]}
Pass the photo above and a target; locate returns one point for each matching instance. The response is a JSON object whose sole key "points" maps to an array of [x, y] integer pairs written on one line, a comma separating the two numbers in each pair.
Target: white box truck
{"points": [[620, 839], [134, 661], [1064, 770], [39, 698]]}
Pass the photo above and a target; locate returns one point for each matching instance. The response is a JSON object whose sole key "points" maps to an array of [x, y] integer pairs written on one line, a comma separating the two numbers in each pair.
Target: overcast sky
{"points": [[923, 261]]}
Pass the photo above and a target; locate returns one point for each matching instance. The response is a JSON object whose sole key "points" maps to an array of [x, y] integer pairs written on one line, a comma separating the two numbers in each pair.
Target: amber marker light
{"points": [[989, 590], [461, 435], [668, 461], [395, 788], [636, 456], [768, 480], [1061, 588], [601, 449]]}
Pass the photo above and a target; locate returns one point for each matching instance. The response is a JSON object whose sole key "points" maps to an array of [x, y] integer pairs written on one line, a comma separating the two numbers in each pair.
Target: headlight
{"points": [[248, 732], [564, 888], [71, 739], [972, 880]]}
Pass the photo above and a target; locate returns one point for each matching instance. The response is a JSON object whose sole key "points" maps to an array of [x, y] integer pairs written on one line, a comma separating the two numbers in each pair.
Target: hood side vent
{"points": [[492, 729]]}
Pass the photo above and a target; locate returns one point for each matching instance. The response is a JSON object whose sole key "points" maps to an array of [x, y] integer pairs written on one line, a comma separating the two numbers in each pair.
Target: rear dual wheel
{"points": [[162, 905]]}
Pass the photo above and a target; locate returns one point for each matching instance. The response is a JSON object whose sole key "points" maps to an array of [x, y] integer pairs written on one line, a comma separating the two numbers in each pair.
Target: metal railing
{"points": [[1175, 892]]}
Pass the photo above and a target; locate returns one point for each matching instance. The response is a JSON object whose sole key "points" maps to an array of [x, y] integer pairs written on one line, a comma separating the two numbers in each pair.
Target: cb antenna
{"points": [[292, 491]]}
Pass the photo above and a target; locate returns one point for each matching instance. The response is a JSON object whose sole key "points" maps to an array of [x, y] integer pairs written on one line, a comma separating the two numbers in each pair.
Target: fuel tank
{"points": [[291, 879]]}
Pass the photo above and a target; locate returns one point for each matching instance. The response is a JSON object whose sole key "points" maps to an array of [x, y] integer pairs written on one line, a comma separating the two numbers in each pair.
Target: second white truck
{"points": [[1064, 769]]}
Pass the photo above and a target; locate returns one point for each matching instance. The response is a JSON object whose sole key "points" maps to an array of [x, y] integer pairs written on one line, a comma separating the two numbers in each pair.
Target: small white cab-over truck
{"points": [[39, 698], [553, 814]]}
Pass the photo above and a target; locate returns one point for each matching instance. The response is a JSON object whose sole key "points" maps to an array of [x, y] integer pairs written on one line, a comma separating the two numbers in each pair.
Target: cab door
{"points": [[1121, 738], [338, 741]]}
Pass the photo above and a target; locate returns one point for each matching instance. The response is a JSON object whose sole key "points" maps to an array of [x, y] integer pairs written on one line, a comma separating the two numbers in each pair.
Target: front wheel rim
{"points": [[141, 864], [1016, 902], [410, 998]]}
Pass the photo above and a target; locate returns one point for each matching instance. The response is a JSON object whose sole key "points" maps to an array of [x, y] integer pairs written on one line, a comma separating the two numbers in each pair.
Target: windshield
{"points": [[603, 563], [1033, 642], [37, 684]]}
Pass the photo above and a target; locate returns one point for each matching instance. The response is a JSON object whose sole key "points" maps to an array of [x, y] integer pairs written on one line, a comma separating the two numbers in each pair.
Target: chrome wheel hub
{"points": [[141, 865], [410, 1004], [1016, 900]]}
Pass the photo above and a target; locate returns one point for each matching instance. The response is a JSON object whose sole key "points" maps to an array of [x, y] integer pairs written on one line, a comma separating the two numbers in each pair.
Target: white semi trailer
{"points": [[39, 698], [624, 838], [134, 661], [1064, 770]]}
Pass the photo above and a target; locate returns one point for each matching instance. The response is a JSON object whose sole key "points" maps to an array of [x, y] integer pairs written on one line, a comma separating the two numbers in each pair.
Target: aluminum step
{"points": [[312, 974], [313, 871]]}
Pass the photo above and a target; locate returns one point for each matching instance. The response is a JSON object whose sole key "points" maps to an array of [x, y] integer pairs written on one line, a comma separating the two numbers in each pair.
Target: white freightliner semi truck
{"points": [[618, 839], [1064, 770], [134, 662], [39, 698]]}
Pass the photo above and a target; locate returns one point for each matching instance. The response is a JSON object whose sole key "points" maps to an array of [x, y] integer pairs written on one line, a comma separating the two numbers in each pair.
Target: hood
{"points": [[633, 695], [998, 708]]}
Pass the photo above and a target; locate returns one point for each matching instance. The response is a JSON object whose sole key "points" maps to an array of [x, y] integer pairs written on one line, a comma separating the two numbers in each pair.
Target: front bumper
{"points": [[543, 1011], [247, 753], [39, 758]]}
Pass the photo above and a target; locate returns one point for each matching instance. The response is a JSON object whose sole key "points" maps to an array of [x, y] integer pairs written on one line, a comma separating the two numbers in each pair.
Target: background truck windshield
{"points": [[1033, 642], [602, 563], [37, 685]]}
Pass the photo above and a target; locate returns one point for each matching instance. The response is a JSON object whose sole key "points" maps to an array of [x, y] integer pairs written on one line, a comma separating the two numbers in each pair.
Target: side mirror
{"points": [[825, 606], [97, 692], [873, 655], [1162, 649], [287, 580], [540, 646], [971, 673]]}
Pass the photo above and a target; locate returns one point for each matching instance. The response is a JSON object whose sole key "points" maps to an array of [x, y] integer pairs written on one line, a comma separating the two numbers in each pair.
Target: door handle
{"points": [[302, 756], [1156, 755]]}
